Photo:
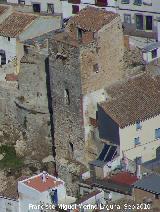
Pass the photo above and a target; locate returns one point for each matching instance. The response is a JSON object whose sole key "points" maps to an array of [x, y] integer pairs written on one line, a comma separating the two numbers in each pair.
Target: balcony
{"points": [[101, 3]]}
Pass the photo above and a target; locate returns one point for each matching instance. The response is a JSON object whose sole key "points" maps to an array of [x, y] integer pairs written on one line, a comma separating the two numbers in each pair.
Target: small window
{"points": [[71, 146], [154, 53], [71, 150], [96, 68], [36, 8], [137, 141], [139, 22], [138, 2], [125, 1], [9, 38], [138, 125], [79, 33], [75, 9], [157, 133], [66, 96], [156, 196], [149, 22], [50, 8], [127, 18]]}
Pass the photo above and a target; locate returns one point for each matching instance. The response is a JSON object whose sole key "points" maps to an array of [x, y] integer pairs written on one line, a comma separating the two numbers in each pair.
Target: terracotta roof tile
{"points": [[37, 183], [93, 19], [11, 77], [14, 24], [65, 38], [3, 9], [124, 178], [136, 99]]}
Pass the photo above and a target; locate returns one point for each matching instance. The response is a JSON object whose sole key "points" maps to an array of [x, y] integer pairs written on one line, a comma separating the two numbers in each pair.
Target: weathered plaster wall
{"points": [[32, 104], [41, 25], [9, 46]]}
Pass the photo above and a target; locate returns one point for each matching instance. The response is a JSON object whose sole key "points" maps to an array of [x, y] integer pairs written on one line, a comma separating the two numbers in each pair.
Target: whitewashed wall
{"points": [[67, 7], [90, 107], [12, 1], [28, 195], [9, 47], [147, 56], [145, 10], [148, 146], [8, 204], [40, 26], [154, 8], [57, 4]]}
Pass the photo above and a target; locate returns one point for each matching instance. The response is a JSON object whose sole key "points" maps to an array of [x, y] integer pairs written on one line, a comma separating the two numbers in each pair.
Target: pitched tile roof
{"points": [[92, 19], [37, 183], [3, 9], [124, 178], [14, 24], [136, 99]]}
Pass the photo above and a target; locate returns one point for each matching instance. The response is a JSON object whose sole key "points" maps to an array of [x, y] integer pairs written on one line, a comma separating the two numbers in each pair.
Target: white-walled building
{"points": [[18, 27], [36, 194], [131, 118], [67, 8], [139, 16]]}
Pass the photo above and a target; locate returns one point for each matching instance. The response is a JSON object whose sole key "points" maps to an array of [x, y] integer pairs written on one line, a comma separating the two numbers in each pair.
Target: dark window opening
{"points": [[66, 96], [138, 2], [50, 8], [71, 146], [25, 122], [139, 22], [156, 196], [101, 3], [96, 68], [71, 150], [39, 94], [9, 38], [36, 8], [21, 1], [149, 22], [2, 57], [154, 53], [25, 49], [75, 9], [80, 33]]}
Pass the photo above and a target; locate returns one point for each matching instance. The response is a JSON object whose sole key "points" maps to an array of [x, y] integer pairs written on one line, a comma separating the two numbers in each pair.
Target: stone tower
{"points": [[84, 58]]}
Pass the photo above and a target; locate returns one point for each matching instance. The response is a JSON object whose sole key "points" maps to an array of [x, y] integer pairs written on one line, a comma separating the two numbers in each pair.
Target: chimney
{"points": [[126, 41], [138, 171], [44, 177]]}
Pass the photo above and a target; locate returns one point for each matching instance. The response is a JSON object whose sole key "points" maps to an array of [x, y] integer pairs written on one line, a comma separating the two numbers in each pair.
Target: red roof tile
{"points": [[11, 77], [136, 99], [14, 24], [3, 9], [41, 186], [124, 178], [92, 19]]}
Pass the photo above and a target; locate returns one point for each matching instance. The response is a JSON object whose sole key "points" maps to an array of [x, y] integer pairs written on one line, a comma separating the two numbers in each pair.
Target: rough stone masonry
{"points": [[83, 61]]}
